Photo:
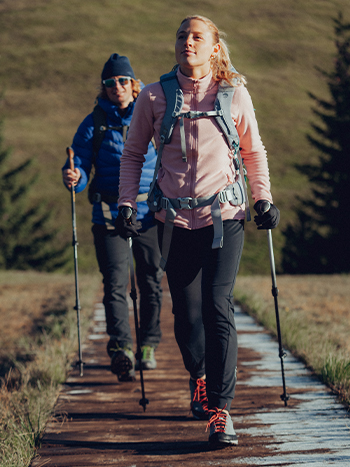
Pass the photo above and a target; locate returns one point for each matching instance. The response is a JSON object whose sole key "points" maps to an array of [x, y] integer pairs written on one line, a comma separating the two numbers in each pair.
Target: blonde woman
{"points": [[199, 164]]}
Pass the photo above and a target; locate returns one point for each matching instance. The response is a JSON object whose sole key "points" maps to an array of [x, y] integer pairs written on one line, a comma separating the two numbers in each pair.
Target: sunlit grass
{"points": [[314, 317]]}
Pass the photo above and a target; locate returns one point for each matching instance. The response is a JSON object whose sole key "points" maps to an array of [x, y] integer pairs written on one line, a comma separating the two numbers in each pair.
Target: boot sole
{"points": [[122, 366], [222, 440]]}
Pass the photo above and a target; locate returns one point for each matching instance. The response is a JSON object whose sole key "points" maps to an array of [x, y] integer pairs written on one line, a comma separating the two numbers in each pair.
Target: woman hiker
{"points": [[201, 210], [116, 100]]}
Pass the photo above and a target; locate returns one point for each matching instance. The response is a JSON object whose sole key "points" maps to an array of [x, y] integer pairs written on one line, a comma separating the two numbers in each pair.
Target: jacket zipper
{"points": [[194, 149]]}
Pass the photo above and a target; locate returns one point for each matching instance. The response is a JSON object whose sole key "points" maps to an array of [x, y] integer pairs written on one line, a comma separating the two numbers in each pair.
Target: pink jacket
{"points": [[209, 167]]}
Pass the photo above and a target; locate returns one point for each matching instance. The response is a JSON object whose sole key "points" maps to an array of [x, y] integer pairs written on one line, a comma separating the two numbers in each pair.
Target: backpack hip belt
{"points": [[234, 194]]}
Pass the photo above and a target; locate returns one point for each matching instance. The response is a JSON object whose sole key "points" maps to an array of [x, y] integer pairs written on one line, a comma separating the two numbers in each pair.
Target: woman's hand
{"points": [[126, 223], [71, 177], [268, 216]]}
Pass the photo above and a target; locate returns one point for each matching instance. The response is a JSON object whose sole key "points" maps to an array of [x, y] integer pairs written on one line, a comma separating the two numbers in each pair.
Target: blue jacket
{"points": [[107, 164]]}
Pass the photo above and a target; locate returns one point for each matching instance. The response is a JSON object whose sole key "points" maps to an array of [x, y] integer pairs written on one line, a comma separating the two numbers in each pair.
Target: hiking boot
{"points": [[122, 362], [199, 400], [148, 360], [221, 433]]}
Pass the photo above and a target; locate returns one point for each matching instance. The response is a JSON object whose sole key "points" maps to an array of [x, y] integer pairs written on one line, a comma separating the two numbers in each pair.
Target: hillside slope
{"points": [[53, 52]]}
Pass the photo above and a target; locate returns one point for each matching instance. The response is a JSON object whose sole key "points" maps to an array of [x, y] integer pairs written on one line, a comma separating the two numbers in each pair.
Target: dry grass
{"points": [[38, 347], [23, 306], [315, 320]]}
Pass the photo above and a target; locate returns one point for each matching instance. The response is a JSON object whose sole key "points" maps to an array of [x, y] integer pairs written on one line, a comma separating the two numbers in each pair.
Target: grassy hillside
{"points": [[53, 52]]}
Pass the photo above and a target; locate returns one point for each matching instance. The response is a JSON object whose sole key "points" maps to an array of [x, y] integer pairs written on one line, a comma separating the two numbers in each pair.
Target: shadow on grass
{"points": [[52, 317], [10, 375], [14, 357]]}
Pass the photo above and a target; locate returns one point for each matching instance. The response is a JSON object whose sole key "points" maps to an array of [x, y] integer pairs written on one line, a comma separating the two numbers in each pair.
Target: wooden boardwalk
{"points": [[99, 422]]}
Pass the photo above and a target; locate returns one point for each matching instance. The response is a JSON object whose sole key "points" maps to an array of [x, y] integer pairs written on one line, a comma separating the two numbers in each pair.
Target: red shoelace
{"points": [[200, 394], [218, 419]]}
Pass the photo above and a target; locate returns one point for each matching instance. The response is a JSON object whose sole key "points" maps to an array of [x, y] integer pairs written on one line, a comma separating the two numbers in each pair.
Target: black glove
{"points": [[268, 215], [126, 224]]}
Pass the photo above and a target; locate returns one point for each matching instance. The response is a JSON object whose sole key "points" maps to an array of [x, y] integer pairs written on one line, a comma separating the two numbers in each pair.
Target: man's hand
{"points": [[71, 177]]}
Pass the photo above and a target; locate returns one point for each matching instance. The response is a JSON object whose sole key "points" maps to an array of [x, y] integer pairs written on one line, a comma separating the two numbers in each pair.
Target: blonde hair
{"points": [[221, 65], [136, 89]]}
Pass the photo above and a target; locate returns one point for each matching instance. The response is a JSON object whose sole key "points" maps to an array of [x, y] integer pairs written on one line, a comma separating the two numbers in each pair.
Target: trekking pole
{"points": [[77, 307], [282, 353], [133, 294]]}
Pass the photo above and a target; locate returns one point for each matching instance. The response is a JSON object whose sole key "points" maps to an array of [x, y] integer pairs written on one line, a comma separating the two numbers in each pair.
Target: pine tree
{"points": [[27, 238], [319, 243]]}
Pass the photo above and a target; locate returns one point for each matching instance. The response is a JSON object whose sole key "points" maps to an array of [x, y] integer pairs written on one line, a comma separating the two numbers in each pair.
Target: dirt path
{"points": [[99, 421]]}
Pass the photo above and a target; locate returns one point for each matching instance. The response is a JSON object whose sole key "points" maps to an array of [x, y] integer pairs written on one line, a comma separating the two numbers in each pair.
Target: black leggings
{"points": [[201, 282]]}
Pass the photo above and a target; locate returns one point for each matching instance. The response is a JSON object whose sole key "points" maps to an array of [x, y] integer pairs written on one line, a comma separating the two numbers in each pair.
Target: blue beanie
{"points": [[117, 65]]}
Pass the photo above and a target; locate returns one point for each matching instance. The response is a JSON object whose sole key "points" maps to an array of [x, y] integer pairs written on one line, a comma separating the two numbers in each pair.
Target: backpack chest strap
{"points": [[192, 115], [123, 128]]}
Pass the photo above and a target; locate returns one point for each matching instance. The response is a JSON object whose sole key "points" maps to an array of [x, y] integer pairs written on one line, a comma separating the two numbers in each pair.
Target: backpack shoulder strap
{"points": [[100, 121], [224, 119], [174, 102], [222, 105]]}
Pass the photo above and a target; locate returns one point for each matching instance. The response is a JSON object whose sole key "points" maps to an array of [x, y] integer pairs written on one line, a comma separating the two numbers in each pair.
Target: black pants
{"points": [[112, 254], [201, 282]]}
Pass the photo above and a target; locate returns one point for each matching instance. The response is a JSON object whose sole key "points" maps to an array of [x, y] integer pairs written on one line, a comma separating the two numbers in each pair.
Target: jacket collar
{"points": [[199, 85], [112, 110]]}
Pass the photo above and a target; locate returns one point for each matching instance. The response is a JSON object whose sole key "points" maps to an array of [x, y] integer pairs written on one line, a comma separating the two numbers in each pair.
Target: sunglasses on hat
{"points": [[111, 82]]}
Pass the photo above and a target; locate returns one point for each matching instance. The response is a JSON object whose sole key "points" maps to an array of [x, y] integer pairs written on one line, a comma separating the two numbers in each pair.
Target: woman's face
{"points": [[120, 94], [194, 48]]}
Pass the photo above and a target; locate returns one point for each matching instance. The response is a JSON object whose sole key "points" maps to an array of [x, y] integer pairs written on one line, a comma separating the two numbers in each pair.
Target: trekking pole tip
{"points": [[80, 365], [285, 398], [144, 401]]}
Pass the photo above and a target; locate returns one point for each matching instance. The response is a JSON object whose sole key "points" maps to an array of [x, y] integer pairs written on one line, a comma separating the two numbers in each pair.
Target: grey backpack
{"points": [[236, 193]]}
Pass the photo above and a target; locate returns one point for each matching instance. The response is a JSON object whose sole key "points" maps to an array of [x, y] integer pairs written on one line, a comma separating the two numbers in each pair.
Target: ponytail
{"points": [[222, 68]]}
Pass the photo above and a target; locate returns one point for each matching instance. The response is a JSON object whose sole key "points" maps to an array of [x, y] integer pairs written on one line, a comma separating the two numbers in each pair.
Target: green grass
{"points": [[53, 52]]}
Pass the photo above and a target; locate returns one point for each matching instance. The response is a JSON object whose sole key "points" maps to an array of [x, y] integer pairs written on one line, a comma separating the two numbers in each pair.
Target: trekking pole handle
{"points": [[265, 207], [70, 154]]}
